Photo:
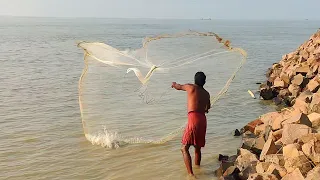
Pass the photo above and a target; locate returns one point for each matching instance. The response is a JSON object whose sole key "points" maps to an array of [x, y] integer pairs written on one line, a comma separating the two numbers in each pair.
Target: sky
{"points": [[163, 9]]}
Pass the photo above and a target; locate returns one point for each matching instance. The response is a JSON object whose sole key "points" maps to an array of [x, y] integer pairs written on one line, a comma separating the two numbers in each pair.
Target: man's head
{"points": [[200, 79]]}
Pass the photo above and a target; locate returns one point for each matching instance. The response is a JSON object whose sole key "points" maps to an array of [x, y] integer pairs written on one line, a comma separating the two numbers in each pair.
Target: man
{"points": [[195, 131]]}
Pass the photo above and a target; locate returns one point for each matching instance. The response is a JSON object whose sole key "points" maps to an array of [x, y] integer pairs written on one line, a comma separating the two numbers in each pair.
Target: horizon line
{"points": [[154, 18]]}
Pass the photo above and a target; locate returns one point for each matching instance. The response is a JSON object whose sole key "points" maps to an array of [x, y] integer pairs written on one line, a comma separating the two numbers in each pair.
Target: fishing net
{"points": [[125, 96]]}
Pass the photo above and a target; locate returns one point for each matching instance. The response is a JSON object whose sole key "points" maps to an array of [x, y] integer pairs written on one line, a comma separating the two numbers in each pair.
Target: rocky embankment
{"points": [[284, 144]]}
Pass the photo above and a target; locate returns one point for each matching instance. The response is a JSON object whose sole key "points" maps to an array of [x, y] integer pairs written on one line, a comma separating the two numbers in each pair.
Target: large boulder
{"points": [[294, 89], [268, 118], [252, 125], [278, 83], [232, 173], [315, 103], [277, 134], [298, 118], [312, 150], [297, 80], [261, 129], [275, 158], [301, 162], [314, 174], [290, 151], [245, 159], [267, 93], [259, 176], [313, 85], [254, 145], [314, 119], [277, 170], [291, 132], [268, 148], [262, 167], [294, 175], [302, 106]]}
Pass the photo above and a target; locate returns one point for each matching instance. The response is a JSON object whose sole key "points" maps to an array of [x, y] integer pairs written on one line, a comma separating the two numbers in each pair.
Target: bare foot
{"points": [[192, 176]]}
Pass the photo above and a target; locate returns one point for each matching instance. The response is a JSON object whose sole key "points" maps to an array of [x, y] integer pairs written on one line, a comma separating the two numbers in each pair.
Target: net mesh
{"points": [[129, 94]]}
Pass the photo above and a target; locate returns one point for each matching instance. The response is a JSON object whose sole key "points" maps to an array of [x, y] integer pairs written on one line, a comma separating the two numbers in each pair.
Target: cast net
{"points": [[125, 96]]}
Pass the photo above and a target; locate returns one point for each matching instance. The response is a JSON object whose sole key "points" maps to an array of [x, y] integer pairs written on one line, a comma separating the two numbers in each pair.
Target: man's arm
{"points": [[209, 104], [184, 87]]}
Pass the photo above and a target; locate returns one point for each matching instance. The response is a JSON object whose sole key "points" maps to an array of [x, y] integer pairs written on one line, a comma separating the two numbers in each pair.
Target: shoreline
{"points": [[284, 144]]}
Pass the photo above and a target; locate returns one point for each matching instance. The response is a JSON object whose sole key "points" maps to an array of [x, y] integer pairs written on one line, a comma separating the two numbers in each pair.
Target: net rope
{"points": [[187, 59]]}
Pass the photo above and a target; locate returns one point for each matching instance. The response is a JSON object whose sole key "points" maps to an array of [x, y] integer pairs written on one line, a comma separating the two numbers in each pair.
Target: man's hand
{"points": [[173, 84]]}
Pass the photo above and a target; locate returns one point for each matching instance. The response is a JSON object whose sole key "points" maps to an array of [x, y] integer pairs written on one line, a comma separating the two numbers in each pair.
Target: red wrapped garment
{"points": [[195, 131]]}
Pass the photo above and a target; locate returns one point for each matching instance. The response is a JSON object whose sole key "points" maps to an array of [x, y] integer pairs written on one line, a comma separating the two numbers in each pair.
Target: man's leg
{"points": [[197, 157], [187, 158]]}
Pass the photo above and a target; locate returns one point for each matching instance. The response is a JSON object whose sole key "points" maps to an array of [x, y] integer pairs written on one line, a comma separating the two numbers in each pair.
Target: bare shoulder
{"points": [[190, 87]]}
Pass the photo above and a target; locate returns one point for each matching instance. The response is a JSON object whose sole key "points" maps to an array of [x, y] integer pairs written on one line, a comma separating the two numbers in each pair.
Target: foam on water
{"points": [[113, 140]]}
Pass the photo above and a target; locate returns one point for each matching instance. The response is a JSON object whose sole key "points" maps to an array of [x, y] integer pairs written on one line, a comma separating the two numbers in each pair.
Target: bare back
{"points": [[198, 99]]}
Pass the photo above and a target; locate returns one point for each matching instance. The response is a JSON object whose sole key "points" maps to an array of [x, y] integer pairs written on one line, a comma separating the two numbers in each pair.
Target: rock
{"points": [[294, 175], [245, 159], [268, 148], [312, 150], [278, 121], [312, 136], [305, 96], [266, 93], [294, 90], [313, 85], [314, 119], [315, 68], [298, 118], [267, 133], [285, 78], [302, 106], [277, 134], [304, 54], [232, 170], [310, 49], [278, 82], [223, 157], [262, 167], [275, 158], [297, 80], [251, 169], [291, 132], [252, 125], [254, 145], [237, 133], [248, 134], [278, 143], [258, 176], [300, 162], [218, 172], [303, 69], [268, 118], [315, 103], [314, 174], [277, 170], [260, 129], [290, 151], [284, 93]]}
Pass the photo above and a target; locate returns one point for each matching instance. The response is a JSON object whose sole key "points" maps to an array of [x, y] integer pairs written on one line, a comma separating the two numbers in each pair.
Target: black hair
{"points": [[200, 79]]}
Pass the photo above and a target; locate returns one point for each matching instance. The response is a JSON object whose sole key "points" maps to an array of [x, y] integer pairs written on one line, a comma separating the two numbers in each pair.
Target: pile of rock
{"points": [[278, 145], [284, 144], [296, 72]]}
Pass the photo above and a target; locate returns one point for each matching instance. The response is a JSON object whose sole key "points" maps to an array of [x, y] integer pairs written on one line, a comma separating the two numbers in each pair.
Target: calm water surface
{"points": [[41, 132]]}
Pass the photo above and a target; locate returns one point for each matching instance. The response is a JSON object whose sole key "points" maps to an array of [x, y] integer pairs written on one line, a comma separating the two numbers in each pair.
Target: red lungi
{"points": [[195, 131]]}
